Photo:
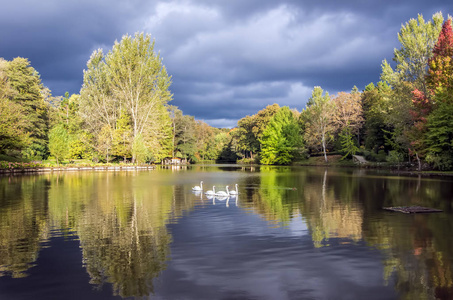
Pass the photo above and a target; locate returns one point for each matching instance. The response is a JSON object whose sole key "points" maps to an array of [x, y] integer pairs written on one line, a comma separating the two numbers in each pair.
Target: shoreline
{"points": [[393, 170], [58, 169]]}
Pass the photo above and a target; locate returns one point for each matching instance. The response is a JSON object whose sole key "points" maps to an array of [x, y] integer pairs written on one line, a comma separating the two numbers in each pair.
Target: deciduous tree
{"points": [[132, 80], [349, 111], [319, 120], [58, 142], [417, 38], [437, 119], [281, 139], [137, 77], [25, 81], [14, 135]]}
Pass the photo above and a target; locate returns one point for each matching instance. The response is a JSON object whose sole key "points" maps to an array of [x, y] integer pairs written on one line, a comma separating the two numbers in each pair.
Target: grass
{"points": [[332, 160]]}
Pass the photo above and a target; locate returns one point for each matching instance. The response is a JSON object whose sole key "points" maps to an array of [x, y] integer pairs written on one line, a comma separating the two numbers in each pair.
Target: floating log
{"points": [[412, 209]]}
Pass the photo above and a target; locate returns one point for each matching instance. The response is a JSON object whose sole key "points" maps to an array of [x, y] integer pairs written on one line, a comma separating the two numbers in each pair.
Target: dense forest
{"points": [[122, 112]]}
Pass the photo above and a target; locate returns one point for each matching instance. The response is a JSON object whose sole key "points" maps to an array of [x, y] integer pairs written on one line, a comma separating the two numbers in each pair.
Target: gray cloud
{"points": [[227, 59]]}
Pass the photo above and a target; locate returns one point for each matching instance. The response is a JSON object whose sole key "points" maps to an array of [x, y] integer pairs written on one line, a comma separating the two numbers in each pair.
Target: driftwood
{"points": [[412, 209]]}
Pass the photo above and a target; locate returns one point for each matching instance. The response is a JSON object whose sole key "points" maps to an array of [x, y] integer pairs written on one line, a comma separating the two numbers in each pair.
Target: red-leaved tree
{"points": [[440, 73], [439, 85]]}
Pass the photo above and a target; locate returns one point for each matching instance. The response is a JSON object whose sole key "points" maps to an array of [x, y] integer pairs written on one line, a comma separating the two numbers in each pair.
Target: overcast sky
{"points": [[227, 59]]}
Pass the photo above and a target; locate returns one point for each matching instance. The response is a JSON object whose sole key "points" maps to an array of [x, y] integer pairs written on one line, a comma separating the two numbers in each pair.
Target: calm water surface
{"points": [[292, 233]]}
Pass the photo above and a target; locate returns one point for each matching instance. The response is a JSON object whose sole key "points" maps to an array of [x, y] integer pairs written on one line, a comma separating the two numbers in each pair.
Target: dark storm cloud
{"points": [[227, 59], [59, 36]]}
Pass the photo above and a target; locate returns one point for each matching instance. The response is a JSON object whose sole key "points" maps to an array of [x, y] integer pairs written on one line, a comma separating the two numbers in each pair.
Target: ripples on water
{"points": [[292, 233]]}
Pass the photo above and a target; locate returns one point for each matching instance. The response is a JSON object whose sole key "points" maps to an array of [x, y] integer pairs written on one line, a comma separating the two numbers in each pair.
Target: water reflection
{"points": [[122, 223], [346, 208], [23, 223], [121, 227]]}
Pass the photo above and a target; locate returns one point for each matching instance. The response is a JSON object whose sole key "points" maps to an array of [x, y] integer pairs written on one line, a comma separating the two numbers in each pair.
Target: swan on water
{"points": [[211, 192], [234, 192], [223, 193], [198, 188]]}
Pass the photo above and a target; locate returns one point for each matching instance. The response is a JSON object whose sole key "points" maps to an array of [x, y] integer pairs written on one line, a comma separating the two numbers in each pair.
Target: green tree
{"points": [[348, 146], [186, 137], [417, 39], [319, 120], [132, 80], [138, 79], [223, 147], [281, 139], [105, 142], [65, 110], [97, 106], [379, 125], [437, 118], [122, 137], [251, 129], [246, 136], [158, 136], [204, 135], [439, 136], [59, 142], [139, 150], [13, 127], [14, 135], [25, 81]]}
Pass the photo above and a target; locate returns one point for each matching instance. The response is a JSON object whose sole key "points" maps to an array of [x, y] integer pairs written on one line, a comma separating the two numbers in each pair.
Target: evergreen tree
{"points": [[439, 136], [348, 146]]}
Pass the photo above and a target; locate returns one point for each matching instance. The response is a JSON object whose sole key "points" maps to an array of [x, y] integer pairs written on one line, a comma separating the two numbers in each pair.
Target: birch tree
{"points": [[130, 79], [98, 107], [319, 119], [138, 80], [417, 38]]}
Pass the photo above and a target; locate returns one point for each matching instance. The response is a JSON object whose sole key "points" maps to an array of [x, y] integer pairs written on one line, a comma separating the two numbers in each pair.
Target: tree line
{"points": [[123, 113]]}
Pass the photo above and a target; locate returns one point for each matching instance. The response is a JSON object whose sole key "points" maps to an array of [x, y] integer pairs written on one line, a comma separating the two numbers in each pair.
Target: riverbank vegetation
{"points": [[123, 113]]}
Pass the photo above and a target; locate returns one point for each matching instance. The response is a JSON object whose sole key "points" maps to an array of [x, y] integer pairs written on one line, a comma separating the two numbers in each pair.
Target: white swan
{"points": [[235, 192], [198, 188], [211, 192], [223, 193]]}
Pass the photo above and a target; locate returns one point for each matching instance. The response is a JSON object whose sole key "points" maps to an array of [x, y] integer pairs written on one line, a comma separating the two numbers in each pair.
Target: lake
{"points": [[291, 233]]}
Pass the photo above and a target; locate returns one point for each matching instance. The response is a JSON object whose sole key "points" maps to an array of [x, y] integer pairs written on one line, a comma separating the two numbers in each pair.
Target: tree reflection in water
{"points": [[121, 221], [122, 228], [348, 208]]}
